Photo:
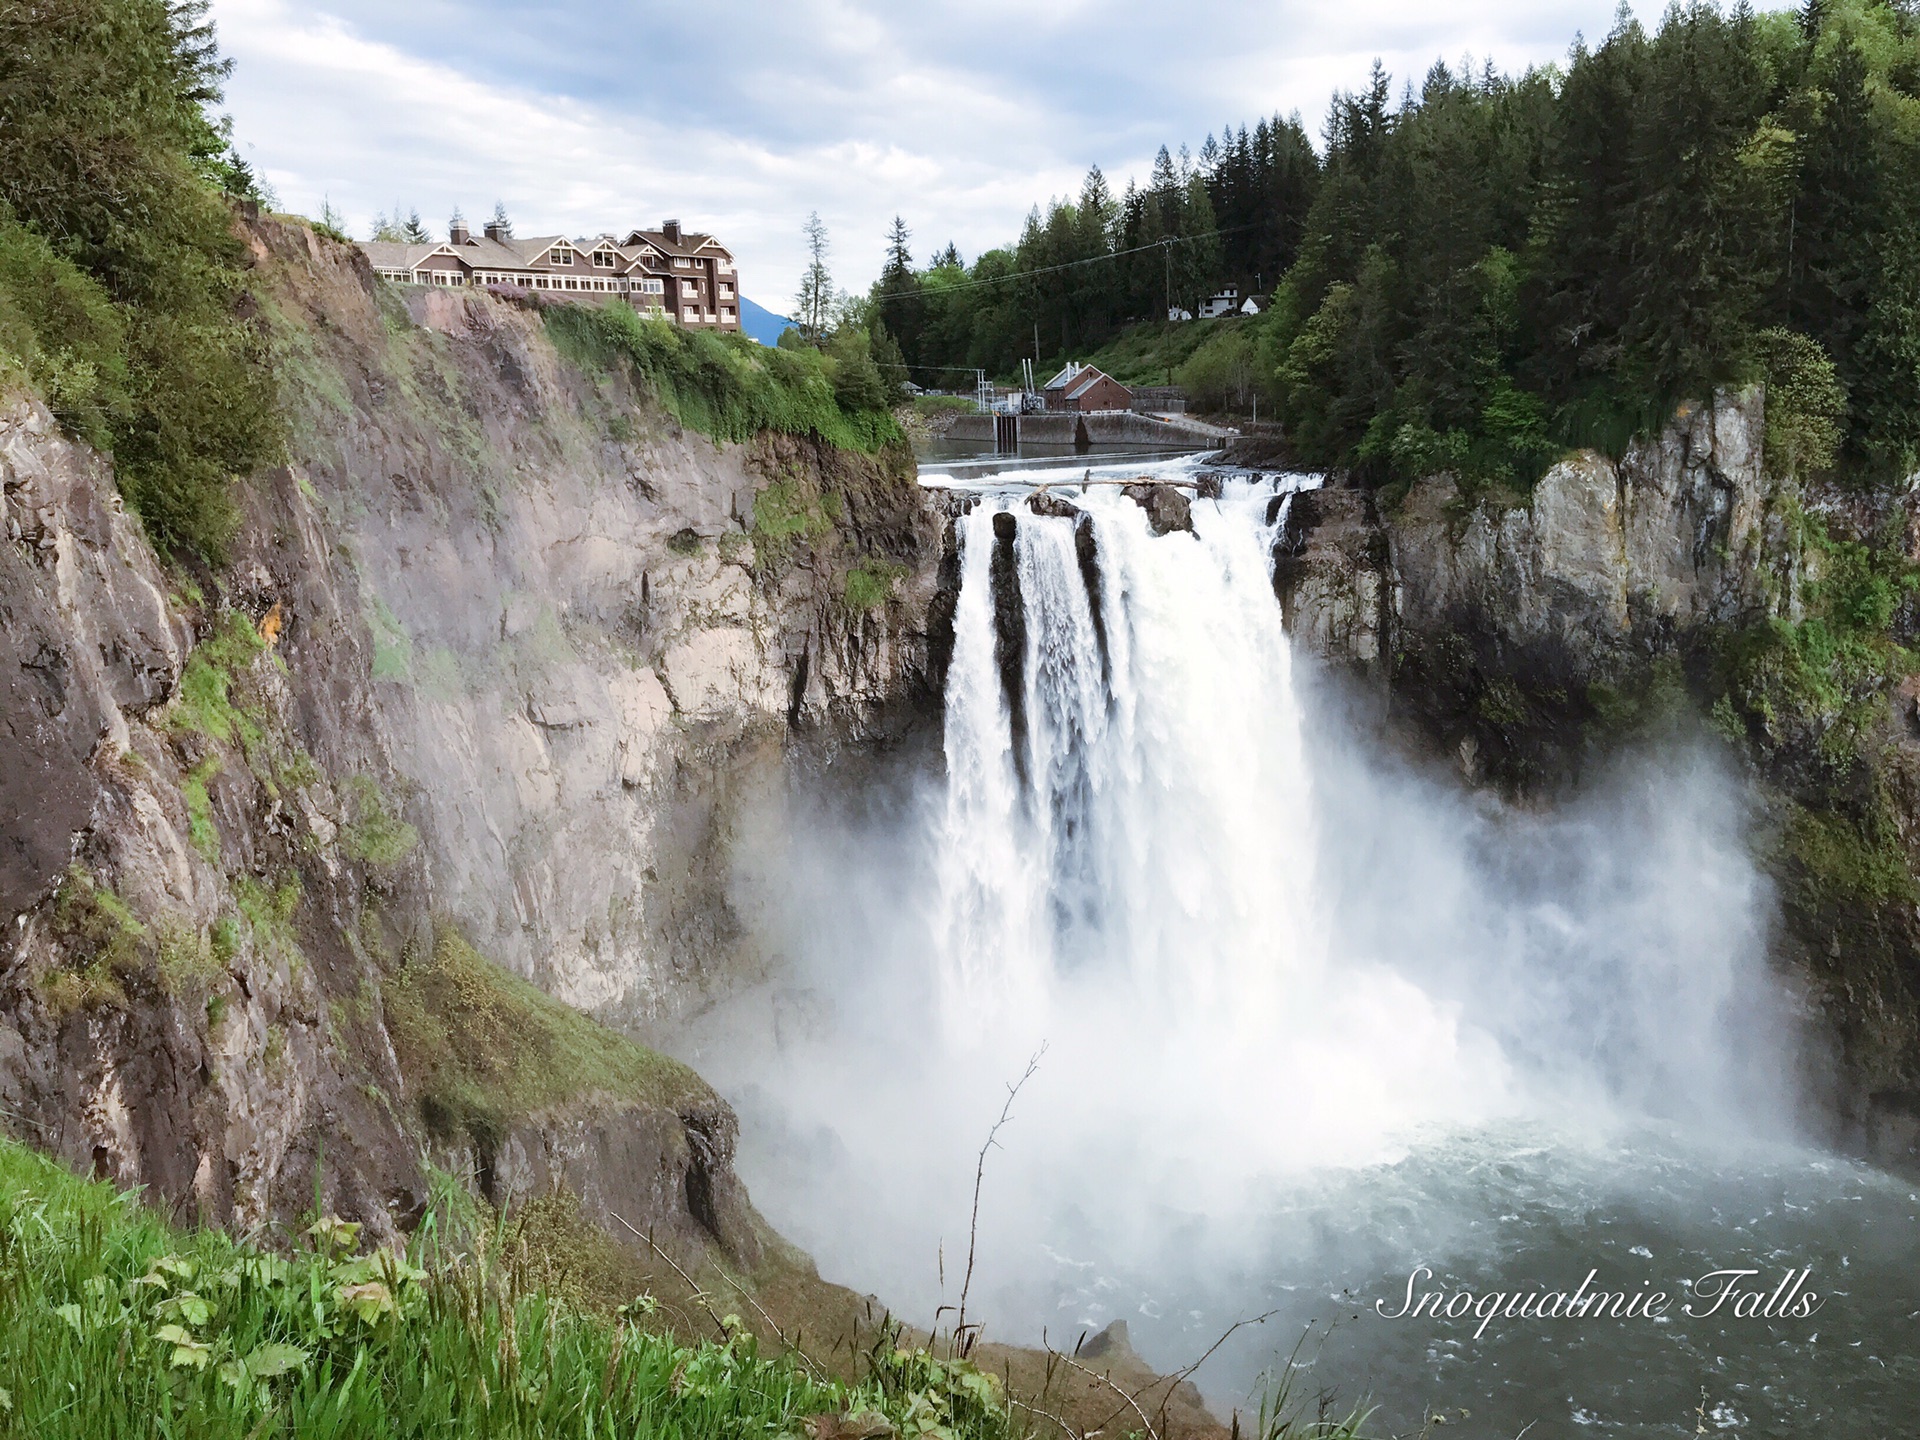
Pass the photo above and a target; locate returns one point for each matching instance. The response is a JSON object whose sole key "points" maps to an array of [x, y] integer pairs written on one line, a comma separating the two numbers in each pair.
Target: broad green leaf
{"points": [[331, 1233], [71, 1314], [273, 1359], [369, 1301], [188, 1353], [188, 1308]]}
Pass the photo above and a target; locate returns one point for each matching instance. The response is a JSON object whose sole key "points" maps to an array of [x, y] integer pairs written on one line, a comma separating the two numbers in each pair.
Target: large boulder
{"points": [[1168, 509]]}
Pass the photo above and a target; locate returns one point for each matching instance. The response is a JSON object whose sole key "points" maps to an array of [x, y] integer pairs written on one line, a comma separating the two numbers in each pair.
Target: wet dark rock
{"points": [[1010, 633], [1045, 502], [952, 504], [1086, 551], [1168, 508]]}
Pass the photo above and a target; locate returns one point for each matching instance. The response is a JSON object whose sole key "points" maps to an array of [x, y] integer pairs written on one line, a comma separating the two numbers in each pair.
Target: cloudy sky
{"points": [[740, 116]]}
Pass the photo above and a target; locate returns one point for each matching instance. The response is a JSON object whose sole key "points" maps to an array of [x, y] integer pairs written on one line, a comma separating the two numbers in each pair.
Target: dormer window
{"points": [[603, 259], [560, 255]]}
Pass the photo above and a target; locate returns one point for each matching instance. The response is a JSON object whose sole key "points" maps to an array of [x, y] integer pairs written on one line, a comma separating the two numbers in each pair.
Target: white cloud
{"points": [[741, 117]]}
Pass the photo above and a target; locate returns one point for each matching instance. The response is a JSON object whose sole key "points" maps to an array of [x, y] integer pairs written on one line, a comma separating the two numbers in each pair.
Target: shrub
{"points": [[60, 330], [1222, 373], [724, 386], [374, 834], [1806, 406]]}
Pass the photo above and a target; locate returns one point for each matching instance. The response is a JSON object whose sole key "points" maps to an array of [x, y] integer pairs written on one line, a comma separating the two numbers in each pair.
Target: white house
{"points": [[1225, 303]]}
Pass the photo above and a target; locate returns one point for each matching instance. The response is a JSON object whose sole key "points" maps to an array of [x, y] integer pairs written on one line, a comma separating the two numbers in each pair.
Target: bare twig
{"points": [[700, 1298], [791, 1343], [1179, 1377], [979, 1174], [1066, 1427], [1132, 1402]]}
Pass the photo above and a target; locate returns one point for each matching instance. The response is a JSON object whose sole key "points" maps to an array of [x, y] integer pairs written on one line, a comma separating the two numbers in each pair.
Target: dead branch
{"points": [[700, 1298], [1065, 1427], [979, 1175], [1131, 1402], [1180, 1377]]}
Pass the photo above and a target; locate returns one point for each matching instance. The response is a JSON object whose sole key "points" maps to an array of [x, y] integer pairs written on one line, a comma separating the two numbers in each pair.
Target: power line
{"points": [[1167, 241]]}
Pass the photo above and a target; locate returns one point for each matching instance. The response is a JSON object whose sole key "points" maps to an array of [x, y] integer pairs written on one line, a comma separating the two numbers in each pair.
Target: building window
{"points": [[681, 262], [690, 315], [726, 292], [603, 259], [562, 256], [654, 287]]}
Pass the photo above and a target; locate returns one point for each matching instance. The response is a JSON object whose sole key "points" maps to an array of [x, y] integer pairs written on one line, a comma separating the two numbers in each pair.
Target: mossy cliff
{"points": [[1695, 582], [313, 859]]}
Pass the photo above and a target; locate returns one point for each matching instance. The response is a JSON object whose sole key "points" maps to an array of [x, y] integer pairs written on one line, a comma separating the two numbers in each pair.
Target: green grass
{"points": [[375, 835], [484, 1049], [114, 1324], [269, 915], [102, 939], [724, 386], [870, 585], [1149, 354], [206, 702], [202, 830], [788, 512]]}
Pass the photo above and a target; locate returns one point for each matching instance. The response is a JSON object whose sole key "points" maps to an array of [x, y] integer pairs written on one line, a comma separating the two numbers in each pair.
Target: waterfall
{"points": [[1129, 832], [1308, 1008]]}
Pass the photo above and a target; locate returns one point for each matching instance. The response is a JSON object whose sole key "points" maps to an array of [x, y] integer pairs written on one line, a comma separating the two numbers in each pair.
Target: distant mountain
{"points": [[761, 323]]}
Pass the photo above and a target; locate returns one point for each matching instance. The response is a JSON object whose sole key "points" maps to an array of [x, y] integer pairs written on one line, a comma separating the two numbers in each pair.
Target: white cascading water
{"points": [[1146, 855]]}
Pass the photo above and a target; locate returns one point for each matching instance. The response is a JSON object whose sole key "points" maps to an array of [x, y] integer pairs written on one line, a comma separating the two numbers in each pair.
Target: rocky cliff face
{"points": [[1469, 606], [1523, 638], [586, 625], [496, 654]]}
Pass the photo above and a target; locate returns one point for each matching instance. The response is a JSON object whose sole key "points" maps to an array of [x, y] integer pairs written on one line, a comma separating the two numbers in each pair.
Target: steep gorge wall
{"points": [[591, 629], [1527, 639], [496, 654]]}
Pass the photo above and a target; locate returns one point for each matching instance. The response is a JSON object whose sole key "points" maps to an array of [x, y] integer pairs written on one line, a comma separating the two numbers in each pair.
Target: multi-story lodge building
{"points": [[667, 272]]}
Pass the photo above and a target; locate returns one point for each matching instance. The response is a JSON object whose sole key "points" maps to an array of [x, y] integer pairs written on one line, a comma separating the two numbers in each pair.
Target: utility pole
{"points": [[1166, 257]]}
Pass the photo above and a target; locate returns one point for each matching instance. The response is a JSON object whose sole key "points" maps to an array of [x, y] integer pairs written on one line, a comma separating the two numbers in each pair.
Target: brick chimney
{"points": [[496, 231], [671, 229], [457, 232]]}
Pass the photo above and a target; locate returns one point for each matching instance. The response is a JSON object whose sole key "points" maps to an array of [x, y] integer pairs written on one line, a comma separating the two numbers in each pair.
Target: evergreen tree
{"points": [[813, 305], [110, 154], [897, 299]]}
